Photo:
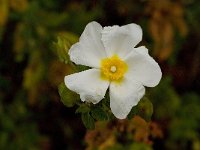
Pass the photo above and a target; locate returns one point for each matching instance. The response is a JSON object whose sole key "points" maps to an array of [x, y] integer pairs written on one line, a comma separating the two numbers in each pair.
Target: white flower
{"points": [[116, 65]]}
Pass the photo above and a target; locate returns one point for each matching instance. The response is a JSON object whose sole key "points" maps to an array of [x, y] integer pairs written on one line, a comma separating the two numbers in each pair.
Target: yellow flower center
{"points": [[113, 68]]}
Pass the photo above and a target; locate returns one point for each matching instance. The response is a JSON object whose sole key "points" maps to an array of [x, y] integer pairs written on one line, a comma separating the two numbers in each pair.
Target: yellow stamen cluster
{"points": [[113, 68]]}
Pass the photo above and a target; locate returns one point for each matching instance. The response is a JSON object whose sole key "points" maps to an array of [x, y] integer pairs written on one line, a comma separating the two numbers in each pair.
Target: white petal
{"points": [[121, 40], [89, 50], [142, 50], [88, 84], [143, 68], [125, 95]]}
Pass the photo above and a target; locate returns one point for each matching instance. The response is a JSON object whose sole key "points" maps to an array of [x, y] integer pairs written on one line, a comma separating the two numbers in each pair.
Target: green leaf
{"points": [[99, 114], [63, 45], [68, 98], [88, 121], [83, 109], [140, 146], [134, 111], [145, 109], [82, 68]]}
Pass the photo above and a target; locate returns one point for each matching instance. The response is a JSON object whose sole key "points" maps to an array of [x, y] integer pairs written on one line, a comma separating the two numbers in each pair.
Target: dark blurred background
{"points": [[31, 114]]}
